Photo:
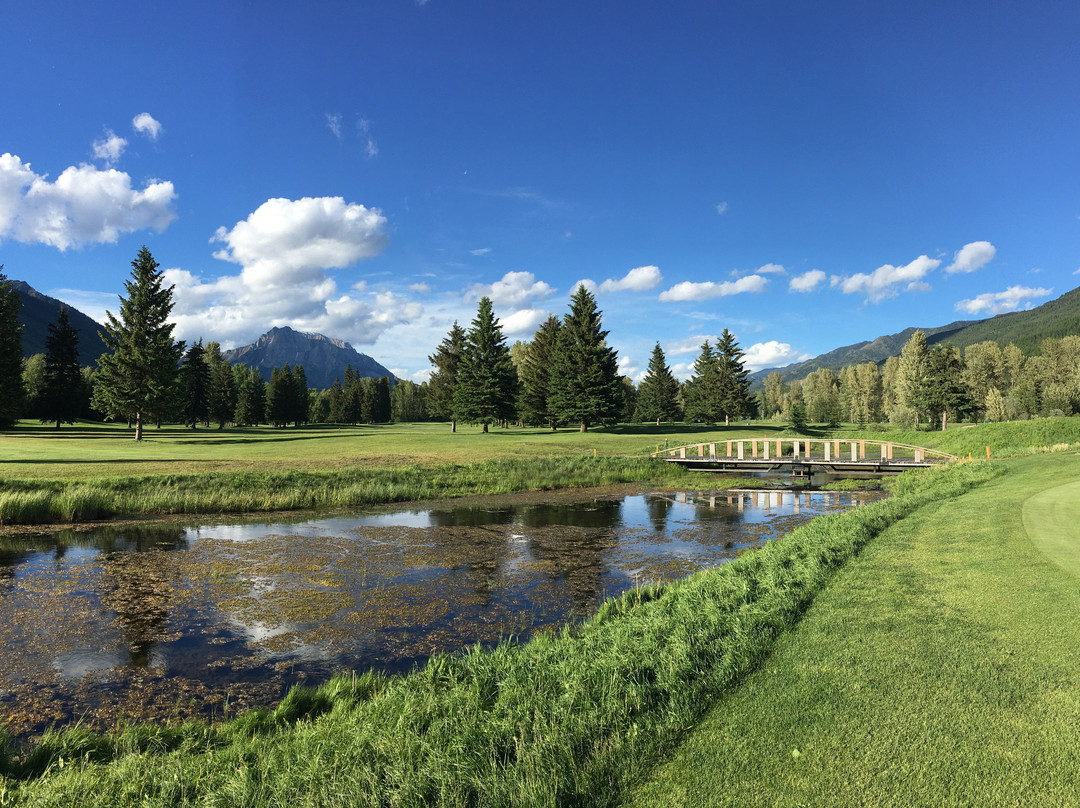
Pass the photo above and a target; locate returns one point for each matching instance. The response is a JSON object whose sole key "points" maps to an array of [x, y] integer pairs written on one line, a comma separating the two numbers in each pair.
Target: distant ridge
{"points": [[1026, 329], [39, 311], [324, 358]]}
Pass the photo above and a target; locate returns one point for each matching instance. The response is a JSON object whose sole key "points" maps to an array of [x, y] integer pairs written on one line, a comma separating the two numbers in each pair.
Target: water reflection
{"points": [[162, 620]]}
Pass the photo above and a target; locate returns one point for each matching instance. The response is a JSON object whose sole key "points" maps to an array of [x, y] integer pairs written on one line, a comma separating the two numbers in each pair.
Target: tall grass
{"points": [[566, 719], [43, 501]]}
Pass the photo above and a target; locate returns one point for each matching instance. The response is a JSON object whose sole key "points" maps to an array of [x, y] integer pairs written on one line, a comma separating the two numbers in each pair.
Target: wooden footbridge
{"points": [[804, 456]]}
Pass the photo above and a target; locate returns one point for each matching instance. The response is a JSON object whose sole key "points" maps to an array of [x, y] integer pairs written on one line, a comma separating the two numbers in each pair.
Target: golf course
{"points": [[919, 650]]}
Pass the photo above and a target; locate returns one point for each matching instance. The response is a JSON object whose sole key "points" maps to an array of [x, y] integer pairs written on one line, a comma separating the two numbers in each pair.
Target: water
{"points": [[163, 620]]}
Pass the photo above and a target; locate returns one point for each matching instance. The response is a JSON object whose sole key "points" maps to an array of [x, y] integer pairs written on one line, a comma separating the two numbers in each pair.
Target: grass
{"points": [[573, 718], [939, 667]]}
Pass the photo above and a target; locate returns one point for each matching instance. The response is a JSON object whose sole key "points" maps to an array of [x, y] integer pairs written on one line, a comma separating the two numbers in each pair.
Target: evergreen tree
{"points": [[380, 400], [194, 386], [12, 394], [298, 398], [658, 393], [443, 381], [486, 382], [335, 397], [534, 372], [735, 399], [702, 391], [222, 394], [250, 396], [943, 390], [278, 393], [60, 400], [135, 379], [585, 386]]}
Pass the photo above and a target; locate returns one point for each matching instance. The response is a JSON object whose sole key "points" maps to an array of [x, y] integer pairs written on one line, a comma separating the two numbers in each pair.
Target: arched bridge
{"points": [[804, 456]]}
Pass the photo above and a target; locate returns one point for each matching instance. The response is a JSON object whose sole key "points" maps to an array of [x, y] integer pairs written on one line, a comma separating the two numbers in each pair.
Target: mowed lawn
{"points": [[940, 667], [88, 450]]}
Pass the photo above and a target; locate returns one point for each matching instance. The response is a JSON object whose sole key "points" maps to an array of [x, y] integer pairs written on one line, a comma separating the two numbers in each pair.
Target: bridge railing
{"points": [[817, 449]]}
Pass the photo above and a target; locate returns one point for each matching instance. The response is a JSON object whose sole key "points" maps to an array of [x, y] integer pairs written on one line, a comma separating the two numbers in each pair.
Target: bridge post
{"points": [[682, 452], [795, 449], [779, 449], [701, 450], [741, 450], [753, 448], [920, 455], [828, 452], [862, 449], [729, 448], [854, 450], [712, 450], [766, 448]]}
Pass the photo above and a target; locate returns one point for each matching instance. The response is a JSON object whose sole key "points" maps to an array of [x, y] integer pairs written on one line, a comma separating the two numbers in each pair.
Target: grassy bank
{"points": [[38, 501], [567, 719], [938, 668]]}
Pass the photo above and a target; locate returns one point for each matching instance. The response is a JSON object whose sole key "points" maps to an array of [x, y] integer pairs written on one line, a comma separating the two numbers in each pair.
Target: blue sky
{"points": [[807, 175]]}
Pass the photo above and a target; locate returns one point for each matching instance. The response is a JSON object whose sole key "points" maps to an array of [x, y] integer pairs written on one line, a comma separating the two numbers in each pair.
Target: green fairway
{"points": [[1052, 520], [940, 667]]}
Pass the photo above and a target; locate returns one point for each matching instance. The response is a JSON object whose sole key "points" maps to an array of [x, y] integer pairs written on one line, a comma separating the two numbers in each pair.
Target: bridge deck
{"points": [[801, 455]]}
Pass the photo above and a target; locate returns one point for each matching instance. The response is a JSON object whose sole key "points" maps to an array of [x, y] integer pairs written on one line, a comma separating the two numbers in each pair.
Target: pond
{"points": [[167, 620]]}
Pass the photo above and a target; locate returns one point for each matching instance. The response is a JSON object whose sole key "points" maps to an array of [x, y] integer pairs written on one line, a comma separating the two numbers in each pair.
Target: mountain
{"points": [[1026, 329], [324, 359], [39, 310]]}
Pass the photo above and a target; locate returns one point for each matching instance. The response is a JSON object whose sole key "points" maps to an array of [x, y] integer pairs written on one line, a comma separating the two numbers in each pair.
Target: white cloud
{"points": [[286, 242], [85, 205], [420, 288], [481, 251], [523, 323], [1011, 299], [807, 282], [771, 354], [703, 291], [144, 124], [770, 269], [689, 345], [333, 123], [371, 149], [285, 248], [721, 208], [514, 289], [109, 148], [887, 281], [972, 256], [636, 280]]}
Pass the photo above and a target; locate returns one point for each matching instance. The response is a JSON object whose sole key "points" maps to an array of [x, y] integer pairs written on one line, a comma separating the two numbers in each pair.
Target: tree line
{"points": [[566, 375], [932, 386]]}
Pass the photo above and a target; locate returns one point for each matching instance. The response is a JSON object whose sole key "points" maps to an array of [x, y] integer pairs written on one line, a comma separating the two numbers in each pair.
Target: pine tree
{"points": [[222, 394], [12, 393], [443, 381], [380, 400], [535, 374], [61, 398], [944, 391], [658, 393], [298, 397], [135, 379], [585, 386], [702, 391], [486, 388], [735, 399], [194, 386], [250, 396]]}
